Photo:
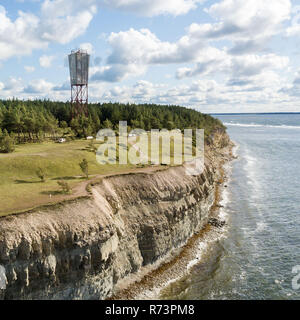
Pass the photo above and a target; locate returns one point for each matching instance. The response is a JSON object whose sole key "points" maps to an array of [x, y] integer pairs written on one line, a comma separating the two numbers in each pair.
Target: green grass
{"points": [[21, 189]]}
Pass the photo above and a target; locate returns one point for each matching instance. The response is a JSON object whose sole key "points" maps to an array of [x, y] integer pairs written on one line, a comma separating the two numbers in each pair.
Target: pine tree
{"points": [[107, 124]]}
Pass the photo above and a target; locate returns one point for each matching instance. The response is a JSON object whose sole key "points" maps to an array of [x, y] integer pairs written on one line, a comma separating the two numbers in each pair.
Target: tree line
{"points": [[34, 121]]}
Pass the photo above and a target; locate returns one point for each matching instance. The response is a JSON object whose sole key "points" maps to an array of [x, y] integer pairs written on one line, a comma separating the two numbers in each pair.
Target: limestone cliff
{"points": [[82, 249]]}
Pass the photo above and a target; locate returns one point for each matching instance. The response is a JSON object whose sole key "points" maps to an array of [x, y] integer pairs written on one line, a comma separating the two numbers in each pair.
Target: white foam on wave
{"points": [[202, 247], [225, 195], [260, 226], [255, 125], [235, 149], [256, 191], [223, 213], [252, 173]]}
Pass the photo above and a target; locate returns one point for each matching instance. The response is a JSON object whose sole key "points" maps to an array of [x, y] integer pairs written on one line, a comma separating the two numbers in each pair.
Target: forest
{"points": [[39, 120]]}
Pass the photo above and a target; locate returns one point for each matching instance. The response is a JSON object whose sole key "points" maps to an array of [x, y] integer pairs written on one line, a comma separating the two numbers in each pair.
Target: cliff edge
{"points": [[84, 248]]}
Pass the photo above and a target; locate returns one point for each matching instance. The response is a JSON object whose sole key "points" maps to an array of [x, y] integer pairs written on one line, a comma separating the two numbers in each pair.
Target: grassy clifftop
{"points": [[37, 121]]}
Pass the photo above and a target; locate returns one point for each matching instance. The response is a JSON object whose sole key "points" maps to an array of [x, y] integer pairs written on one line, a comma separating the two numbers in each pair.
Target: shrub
{"points": [[64, 186], [84, 166], [40, 172], [7, 144]]}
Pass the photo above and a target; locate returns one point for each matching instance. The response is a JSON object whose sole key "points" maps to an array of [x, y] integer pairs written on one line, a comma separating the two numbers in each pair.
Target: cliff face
{"points": [[82, 249]]}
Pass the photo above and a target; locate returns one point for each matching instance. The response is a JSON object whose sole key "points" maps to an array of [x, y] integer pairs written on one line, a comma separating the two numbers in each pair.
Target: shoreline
{"points": [[149, 284]]}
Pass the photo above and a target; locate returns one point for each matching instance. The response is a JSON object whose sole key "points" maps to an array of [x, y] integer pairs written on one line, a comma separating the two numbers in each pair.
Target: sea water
{"points": [[260, 246]]}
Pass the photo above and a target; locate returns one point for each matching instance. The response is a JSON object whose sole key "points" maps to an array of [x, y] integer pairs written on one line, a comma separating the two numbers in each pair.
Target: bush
{"points": [[7, 144], [41, 174], [64, 186], [84, 166]]}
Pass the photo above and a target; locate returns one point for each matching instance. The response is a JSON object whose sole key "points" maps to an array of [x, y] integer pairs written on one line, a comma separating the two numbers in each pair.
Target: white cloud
{"points": [[247, 24], [18, 37], [294, 28], [39, 86], [215, 61], [141, 92], [116, 72], [29, 69], [293, 89], [87, 47], [59, 21], [46, 61], [266, 91], [143, 47], [13, 84], [205, 95], [134, 50], [245, 18], [153, 7], [12, 87], [64, 20]]}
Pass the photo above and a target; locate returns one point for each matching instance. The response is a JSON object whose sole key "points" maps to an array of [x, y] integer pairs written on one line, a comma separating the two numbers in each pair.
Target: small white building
{"points": [[89, 138]]}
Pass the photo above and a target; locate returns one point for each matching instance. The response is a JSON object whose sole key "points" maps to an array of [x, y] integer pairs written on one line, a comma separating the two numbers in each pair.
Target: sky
{"points": [[214, 56]]}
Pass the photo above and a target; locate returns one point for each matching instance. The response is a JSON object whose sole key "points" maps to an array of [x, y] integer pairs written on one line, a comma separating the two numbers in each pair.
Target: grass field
{"points": [[21, 189]]}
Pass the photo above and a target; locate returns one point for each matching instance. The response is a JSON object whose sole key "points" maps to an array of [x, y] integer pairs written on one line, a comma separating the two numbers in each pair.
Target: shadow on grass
{"points": [[66, 178], [56, 193], [27, 181], [53, 193], [82, 149]]}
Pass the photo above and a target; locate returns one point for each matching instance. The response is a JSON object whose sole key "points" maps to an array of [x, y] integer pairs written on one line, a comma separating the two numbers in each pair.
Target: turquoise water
{"points": [[260, 246]]}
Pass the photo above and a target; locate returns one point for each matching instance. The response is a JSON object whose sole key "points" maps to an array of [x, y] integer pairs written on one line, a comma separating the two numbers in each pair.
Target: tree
{"points": [[63, 124], [33, 121], [107, 124], [84, 166], [64, 186], [7, 143], [40, 172], [75, 126]]}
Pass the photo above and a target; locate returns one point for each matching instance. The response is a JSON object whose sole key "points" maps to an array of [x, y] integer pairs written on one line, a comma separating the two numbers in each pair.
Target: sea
{"points": [[256, 256]]}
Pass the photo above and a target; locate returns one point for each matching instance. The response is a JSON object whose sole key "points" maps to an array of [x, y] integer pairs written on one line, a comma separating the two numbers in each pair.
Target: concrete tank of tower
{"points": [[79, 61]]}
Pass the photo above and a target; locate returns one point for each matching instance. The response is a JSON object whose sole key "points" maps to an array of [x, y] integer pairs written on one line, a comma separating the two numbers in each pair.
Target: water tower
{"points": [[79, 61]]}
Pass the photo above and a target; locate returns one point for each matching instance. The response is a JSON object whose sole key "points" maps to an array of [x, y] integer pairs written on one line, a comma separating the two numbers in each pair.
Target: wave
{"points": [[254, 125]]}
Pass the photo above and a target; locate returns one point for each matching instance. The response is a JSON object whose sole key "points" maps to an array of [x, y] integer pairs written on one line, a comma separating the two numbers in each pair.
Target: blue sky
{"points": [[215, 56]]}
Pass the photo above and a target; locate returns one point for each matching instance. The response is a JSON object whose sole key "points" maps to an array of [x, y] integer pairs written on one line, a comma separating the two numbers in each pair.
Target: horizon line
{"points": [[253, 113]]}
